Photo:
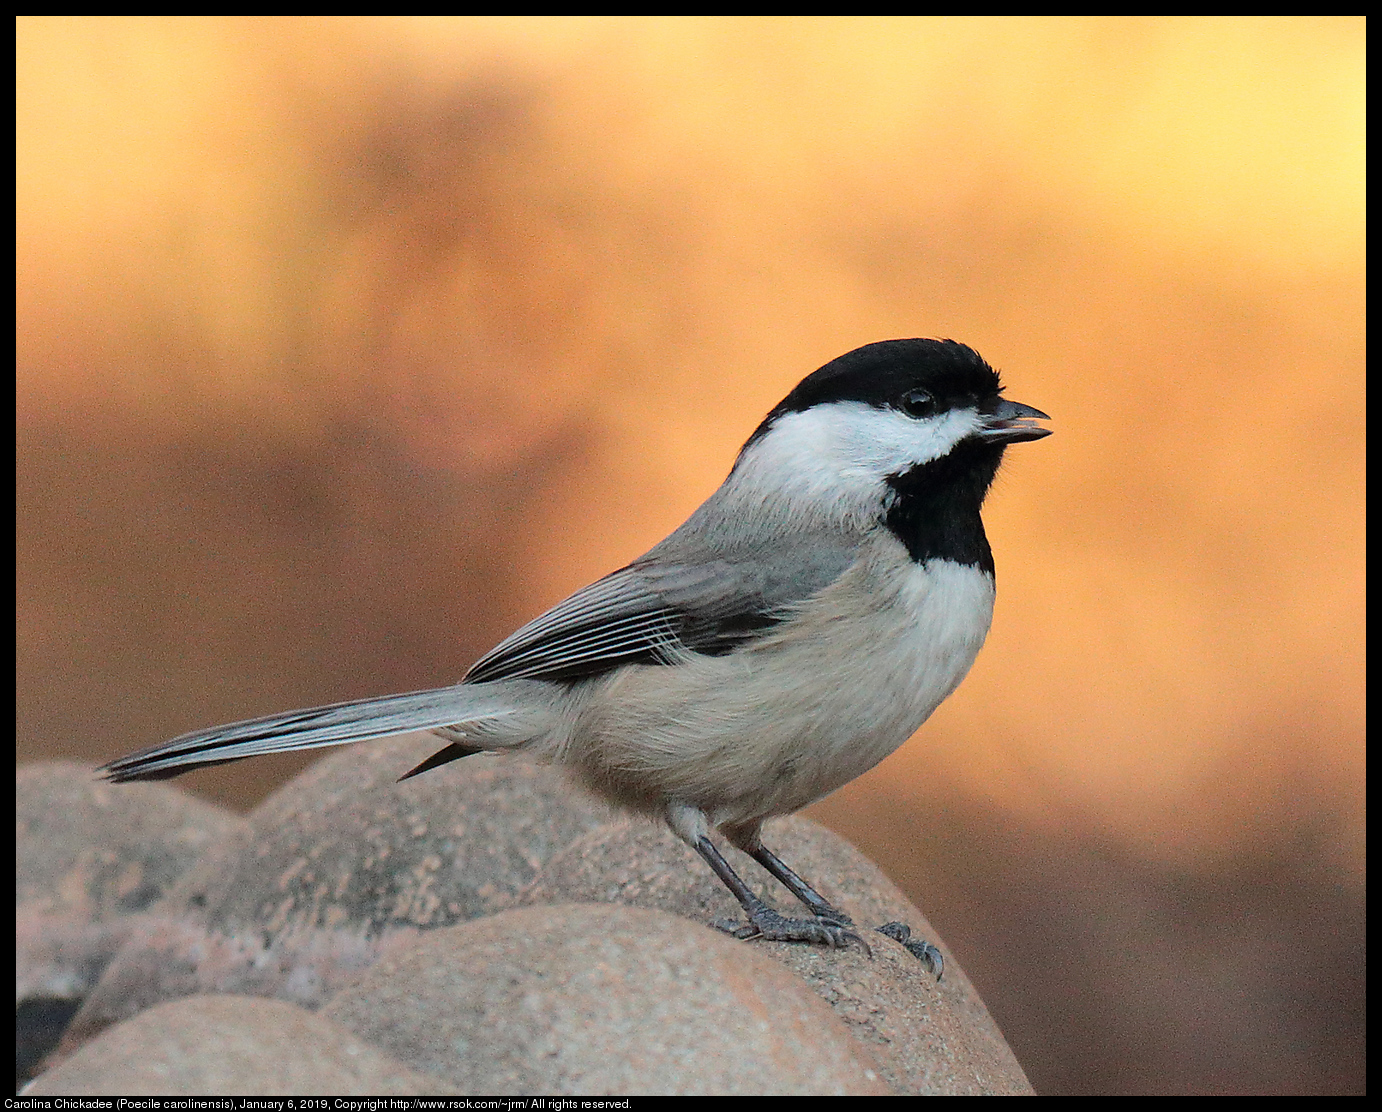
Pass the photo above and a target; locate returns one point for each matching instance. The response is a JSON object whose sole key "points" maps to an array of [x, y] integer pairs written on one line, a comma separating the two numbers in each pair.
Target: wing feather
{"points": [[654, 610]]}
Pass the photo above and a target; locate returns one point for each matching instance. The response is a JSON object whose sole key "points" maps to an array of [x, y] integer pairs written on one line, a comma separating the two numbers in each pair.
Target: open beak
{"points": [[1011, 423]]}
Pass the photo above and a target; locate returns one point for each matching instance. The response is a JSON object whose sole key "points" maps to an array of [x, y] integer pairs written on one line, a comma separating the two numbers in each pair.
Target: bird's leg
{"points": [[763, 921], [818, 904], [923, 951]]}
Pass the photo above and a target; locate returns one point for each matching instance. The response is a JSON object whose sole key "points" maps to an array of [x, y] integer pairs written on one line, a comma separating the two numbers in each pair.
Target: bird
{"points": [[794, 631]]}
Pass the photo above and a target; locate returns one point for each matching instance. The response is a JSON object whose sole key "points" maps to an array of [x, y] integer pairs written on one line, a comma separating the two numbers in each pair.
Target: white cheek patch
{"points": [[843, 451]]}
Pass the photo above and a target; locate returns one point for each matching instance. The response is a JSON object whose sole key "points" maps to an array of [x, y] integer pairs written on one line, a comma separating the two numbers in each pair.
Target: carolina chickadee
{"points": [[794, 631]]}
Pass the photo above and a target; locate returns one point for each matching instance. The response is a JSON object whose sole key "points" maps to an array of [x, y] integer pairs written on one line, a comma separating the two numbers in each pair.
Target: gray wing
{"points": [[653, 610]]}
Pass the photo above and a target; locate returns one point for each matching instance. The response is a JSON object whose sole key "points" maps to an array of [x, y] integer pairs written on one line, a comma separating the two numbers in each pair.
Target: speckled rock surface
{"points": [[90, 860], [645, 865], [590, 999], [90, 855], [231, 1046], [340, 887], [927, 1037], [338, 867]]}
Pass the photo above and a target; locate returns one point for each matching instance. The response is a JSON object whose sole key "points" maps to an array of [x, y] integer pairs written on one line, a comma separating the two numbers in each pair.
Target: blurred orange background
{"points": [[346, 345]]}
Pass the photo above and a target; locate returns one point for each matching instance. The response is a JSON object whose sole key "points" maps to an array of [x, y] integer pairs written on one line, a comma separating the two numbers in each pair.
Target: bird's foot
{"points": [[764, 922], [919, 948]]}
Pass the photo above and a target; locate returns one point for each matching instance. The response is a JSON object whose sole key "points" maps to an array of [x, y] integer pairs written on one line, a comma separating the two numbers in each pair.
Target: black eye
{"points": [[919, 403]]}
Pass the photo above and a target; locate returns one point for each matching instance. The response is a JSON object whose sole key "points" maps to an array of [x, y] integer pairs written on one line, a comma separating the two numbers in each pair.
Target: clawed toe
{"points": [[919, 948], [775, 927], [737, 927]]}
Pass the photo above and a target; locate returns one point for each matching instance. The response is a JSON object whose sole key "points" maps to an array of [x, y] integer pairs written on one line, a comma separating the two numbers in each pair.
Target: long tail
{"points": [[488, 708]]}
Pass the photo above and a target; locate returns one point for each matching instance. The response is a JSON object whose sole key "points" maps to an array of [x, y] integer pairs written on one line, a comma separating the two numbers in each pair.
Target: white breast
{"points": [[820, 700]]}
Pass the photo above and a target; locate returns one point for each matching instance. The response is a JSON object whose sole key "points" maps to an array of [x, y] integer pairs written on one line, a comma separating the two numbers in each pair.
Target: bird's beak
{"points": [[1011, 423]]}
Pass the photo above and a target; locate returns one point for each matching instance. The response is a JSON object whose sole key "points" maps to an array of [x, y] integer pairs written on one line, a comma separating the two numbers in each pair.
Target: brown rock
{"points": [[88, 856], [928, 1037], [230, 1046], [591, 999], [339, 866]]}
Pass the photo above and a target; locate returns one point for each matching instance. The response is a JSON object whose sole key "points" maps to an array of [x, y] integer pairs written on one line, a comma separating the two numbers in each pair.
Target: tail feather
{"points": [[337, 724], [452, 752]]}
